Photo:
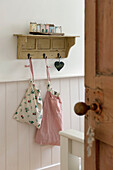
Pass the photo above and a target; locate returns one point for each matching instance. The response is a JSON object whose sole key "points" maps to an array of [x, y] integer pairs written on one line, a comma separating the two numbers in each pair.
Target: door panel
{"points": [[104, 36], [105, 156], [99, 76]]}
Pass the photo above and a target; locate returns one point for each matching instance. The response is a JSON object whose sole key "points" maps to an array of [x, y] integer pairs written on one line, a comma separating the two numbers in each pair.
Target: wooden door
{"points": [[99, 81]]}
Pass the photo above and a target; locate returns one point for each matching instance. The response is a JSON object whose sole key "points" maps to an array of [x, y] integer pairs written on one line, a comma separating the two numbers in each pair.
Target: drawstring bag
{"points": [[30, 109], [48, 134]]}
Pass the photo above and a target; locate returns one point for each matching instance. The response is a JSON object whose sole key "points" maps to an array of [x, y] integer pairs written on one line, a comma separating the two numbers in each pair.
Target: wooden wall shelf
{"points": [[37, 45]]}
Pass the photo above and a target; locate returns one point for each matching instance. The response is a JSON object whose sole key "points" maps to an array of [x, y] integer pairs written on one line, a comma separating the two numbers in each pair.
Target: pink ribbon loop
{"points": [[27, 65], [48, 66], [47, 70], [31, 68]]}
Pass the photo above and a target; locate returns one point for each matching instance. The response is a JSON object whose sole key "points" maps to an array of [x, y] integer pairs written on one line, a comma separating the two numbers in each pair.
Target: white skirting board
{"points": [[51, 167]]}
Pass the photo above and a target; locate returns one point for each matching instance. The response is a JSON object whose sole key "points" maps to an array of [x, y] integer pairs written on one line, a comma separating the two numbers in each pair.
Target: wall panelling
{"points": [[18, 150]]}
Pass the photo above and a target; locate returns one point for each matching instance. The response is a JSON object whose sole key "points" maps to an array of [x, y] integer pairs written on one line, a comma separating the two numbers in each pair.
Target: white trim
{"points": [[73, 134], [44, 78], [50, 166]]}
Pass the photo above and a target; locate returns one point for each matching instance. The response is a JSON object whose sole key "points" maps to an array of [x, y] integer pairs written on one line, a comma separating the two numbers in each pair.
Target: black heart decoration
{"points": [[59, 65]]}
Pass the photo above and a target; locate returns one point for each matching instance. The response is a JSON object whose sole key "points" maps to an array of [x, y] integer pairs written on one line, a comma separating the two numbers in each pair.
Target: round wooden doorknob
{"points": [[81, 108]]}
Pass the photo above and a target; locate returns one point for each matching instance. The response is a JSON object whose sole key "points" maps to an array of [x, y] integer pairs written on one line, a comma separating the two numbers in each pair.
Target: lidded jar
{"points": [[33, 26]]}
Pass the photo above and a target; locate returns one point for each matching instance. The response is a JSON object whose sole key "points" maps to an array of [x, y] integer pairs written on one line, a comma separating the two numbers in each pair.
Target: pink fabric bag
{"points": [[48, 134]]}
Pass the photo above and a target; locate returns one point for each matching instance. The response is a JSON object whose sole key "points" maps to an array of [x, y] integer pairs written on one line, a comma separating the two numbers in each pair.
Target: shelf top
{"points": [[44, 36]]}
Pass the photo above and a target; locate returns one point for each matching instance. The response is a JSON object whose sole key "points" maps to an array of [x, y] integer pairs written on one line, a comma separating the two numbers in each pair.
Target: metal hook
{"points": [[58, 55], [59, 65], [44, 56], [29, 56]]}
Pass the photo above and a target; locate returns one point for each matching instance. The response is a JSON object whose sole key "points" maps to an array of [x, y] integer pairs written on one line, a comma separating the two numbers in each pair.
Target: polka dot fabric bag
{"points": [[30, 109]]}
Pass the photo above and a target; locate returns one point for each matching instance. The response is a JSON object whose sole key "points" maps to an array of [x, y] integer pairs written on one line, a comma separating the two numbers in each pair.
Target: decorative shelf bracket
{"points": [[37, 45]]}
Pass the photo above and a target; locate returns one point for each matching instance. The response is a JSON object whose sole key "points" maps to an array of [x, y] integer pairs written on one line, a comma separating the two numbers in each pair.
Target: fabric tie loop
{"points": [[31, 68], [47, 70]]}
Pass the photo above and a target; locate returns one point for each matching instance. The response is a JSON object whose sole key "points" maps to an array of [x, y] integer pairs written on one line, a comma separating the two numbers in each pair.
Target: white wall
{"points": [[15, 16]]}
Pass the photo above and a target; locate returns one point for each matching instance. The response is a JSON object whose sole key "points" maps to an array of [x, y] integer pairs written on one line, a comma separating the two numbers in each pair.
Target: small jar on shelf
{"points": [[38, 28], [58, 29], [33, 26], [47, 28], [43, 28], [51, 28]]}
